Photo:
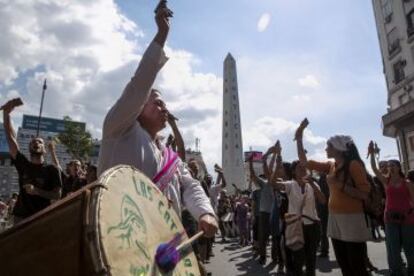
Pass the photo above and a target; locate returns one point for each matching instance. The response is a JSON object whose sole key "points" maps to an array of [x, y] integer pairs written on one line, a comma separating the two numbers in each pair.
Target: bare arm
{"points": [[52, 150], [299, 142], [374, 167], [271, 169], [179, 142], [8, 126], [279, 171], [266, 170]]}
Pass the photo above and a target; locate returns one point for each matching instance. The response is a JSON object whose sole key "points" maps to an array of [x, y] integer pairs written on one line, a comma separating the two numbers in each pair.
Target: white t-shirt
{"points": [[295, 196]]}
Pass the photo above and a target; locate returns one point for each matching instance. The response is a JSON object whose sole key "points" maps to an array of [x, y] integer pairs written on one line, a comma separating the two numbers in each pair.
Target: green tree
{"points": [[77, 140]]}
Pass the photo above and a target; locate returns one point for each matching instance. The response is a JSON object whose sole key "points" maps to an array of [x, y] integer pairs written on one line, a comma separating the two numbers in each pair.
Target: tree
{"points": [[77, 140]]}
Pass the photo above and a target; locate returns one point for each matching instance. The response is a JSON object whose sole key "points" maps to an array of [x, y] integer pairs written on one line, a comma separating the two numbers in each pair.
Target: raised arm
{"points": [[266, 170], [279, 171], [378, 174], [52, 151], [126, 110], [179, 142], [8, 126], [299, 142]]}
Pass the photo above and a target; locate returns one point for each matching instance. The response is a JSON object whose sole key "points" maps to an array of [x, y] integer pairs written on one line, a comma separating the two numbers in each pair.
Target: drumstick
{"points": [[188, 242]]}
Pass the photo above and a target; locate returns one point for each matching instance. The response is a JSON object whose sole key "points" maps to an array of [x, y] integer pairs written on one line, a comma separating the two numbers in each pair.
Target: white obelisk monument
{"points": [[232, 146]]}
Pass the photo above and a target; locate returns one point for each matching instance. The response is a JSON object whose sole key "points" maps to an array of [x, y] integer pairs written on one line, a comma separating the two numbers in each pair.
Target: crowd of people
{"points": [[300, 204], [294, 205]]}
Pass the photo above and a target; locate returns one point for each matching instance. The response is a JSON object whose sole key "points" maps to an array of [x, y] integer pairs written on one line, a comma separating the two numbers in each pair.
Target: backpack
{"points": [[373, 205]]}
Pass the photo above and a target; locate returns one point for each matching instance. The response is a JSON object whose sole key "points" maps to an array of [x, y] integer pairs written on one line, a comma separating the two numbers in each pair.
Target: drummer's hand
{"points": [[208, 224]]}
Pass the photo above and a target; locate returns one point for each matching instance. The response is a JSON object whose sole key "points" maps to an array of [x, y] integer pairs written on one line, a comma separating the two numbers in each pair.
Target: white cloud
{"points": [[88, 50], [263, 22], [309, 81]]}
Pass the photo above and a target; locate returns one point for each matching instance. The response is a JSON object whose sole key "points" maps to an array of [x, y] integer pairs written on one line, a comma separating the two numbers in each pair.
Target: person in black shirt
{"points": [[75, 178], [38, 183]]}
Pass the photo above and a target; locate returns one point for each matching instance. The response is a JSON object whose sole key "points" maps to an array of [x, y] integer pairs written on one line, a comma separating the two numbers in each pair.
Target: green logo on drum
{"points": [[132, 226]]}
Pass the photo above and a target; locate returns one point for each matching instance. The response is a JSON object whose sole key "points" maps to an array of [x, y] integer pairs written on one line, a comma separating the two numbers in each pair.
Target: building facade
{"points": [[395, 26], [232, 146]]}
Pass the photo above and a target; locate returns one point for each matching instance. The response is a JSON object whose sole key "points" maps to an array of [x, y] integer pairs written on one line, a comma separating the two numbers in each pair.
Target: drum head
{"points": [[134, 218]]}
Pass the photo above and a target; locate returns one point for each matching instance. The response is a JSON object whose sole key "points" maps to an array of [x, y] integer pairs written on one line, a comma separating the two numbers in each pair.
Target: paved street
{"points": [[230, 259]]}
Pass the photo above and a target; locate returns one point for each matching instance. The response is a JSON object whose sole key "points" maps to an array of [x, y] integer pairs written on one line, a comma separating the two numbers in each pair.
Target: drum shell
{"points": [[55, 241]]}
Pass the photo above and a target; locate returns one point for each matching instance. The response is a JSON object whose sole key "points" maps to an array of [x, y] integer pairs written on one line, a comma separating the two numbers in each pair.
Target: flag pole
{"points": [[41, 108]]}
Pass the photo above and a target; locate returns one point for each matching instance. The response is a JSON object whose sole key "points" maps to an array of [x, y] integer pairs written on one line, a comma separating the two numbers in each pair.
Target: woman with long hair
{"points": [[399, 215], [301, 192], [347, 180]]}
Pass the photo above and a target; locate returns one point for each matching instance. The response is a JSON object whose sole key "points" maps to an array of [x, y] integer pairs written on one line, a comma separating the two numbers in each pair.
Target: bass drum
{"points": [[131, 218], [110, 227]]}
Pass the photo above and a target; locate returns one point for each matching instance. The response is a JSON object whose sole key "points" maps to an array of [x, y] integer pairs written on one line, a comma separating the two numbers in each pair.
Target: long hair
{"points": [[293, 166], [350, 155], [288, 171]]}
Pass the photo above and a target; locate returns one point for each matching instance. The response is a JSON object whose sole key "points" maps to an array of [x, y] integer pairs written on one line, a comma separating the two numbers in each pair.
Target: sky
{"points": [[318, 59]]}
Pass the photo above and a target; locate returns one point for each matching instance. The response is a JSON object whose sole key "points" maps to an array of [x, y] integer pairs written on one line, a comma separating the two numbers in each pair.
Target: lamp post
{"points": [[41, 108]]}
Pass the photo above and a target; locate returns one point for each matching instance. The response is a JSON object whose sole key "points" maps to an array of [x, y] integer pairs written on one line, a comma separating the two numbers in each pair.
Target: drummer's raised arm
{"points": [[128, 107]]}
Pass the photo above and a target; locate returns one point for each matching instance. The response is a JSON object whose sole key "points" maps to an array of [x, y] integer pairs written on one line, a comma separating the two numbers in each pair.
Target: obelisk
{"points": [[232, 146]]}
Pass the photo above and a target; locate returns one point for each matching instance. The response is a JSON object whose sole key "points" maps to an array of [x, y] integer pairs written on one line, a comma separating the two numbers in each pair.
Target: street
{"points": [[230, 260]]}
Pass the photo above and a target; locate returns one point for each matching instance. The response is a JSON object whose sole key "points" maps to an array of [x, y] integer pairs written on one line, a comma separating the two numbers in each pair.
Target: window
{"points": [[393, 41], [410, 23], [386, 6], [226, 135], [237, 146], [399, 74], [226, 124]]}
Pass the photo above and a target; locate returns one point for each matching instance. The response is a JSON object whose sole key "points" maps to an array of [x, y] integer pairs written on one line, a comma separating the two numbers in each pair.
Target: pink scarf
{"points": [[168, 169]]}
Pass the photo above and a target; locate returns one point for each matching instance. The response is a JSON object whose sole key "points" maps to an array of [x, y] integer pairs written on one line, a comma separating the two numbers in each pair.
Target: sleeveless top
{"points": [[398, 200]]}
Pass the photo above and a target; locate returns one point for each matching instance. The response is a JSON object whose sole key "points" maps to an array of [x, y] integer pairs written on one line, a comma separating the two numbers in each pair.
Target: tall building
{"points": [[395, 26], [232, 147]]}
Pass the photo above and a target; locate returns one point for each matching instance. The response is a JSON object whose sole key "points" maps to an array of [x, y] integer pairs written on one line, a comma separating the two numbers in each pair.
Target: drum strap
{"points": [[168, 169]]}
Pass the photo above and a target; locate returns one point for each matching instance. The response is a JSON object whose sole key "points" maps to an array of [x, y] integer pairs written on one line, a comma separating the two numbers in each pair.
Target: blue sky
{"points": [[317, 58]]}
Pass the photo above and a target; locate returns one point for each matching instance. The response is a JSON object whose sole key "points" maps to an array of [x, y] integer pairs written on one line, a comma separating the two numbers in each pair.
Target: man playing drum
{"points": [[130, 135]]}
